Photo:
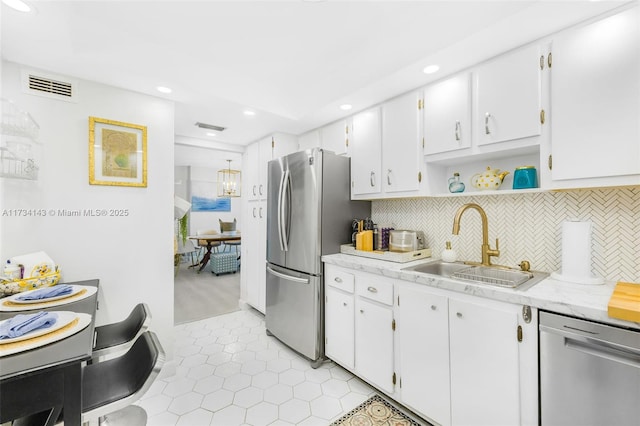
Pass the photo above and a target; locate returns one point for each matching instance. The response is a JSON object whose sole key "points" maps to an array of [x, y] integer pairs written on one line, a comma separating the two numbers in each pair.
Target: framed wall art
{"points": [[117, 153]]}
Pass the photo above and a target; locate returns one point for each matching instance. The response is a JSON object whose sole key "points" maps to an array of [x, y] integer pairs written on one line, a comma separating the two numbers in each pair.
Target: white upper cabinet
{"points": [[508, 97], [402, 155], [366, 153], [447, 115], [386, 150], [282, 144], [595, 100], [309, 140], [334, 137]]}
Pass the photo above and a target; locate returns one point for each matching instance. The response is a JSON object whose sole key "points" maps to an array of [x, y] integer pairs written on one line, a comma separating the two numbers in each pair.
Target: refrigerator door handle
{"points": [[288, 277], [284, 216], [280, 188]]}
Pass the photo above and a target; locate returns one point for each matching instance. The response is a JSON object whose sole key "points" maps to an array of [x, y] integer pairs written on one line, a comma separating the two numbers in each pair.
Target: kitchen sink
{"points": [[493, 275], [438, 268]]}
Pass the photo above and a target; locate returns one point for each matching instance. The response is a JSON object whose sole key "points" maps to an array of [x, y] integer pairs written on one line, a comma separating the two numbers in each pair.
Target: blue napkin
{"points": [[23, 324], [47, 292]]}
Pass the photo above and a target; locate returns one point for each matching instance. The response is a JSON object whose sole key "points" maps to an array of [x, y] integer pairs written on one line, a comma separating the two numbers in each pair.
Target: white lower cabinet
{"points": [[374, 343], [359, 325], [483, 350], [254, 253], [456, 359], [423, 322], [339, 326]]}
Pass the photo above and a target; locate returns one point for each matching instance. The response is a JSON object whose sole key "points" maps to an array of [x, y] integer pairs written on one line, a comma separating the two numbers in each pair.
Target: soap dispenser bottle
{"points": [[448, 254]]}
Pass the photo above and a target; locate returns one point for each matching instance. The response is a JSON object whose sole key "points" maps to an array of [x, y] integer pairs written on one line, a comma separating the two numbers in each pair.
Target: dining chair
{"points": [[229, 227], [202, 244], [110, 386], [119, 337]]}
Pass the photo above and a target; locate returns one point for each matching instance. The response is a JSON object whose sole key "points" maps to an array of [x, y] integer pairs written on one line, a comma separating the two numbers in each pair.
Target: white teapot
{"points": [[489, 179]]}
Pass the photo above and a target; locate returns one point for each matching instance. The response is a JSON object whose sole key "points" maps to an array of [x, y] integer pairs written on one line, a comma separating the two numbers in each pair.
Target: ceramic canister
{"points": [[525, 177]]}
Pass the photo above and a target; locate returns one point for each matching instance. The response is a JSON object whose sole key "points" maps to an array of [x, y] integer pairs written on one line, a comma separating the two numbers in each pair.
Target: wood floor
{"points": [[203, 295]]}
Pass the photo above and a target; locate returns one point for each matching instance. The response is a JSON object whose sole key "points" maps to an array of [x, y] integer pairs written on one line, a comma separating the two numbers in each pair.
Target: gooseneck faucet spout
{"points": [[487, 251]]}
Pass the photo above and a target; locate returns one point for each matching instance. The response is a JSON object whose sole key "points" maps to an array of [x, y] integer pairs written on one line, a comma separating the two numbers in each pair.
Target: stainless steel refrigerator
{"points": [[309, 214]]}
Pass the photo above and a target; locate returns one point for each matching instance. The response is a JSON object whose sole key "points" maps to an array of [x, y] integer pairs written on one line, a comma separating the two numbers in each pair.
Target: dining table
{"points": [[210, 241], [47, 376]]}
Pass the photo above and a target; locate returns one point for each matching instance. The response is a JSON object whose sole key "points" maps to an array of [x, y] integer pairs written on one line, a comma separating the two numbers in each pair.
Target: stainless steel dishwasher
{"points": [[589, 373]]}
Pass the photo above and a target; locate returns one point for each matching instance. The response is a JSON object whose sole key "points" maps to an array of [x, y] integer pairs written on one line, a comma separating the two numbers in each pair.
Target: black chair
{"points": [[120, 336], [113, 385]]}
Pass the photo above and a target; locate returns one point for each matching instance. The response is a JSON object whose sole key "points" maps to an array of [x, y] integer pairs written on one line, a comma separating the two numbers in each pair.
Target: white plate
{"points": [[5, 306], [64, 318], [75, 289], [83, 321]]}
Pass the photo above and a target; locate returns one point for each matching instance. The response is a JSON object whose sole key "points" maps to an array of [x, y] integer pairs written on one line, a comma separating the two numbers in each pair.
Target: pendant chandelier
{"points": [[229, 184]]}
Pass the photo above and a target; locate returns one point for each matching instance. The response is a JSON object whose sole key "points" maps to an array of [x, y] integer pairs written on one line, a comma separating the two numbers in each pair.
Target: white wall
{"points": [[133, 255]]}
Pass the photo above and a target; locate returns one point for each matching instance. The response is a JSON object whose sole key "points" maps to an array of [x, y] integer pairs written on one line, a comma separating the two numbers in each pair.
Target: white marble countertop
{"points": [[581, 301]]}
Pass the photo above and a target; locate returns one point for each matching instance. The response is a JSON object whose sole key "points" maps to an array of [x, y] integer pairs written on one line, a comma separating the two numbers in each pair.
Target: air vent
{"points": [[59, 88], [210, 126], [50, 86]]}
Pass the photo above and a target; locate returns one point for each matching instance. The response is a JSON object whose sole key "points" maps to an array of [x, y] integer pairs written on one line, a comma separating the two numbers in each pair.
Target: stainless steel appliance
{"points": [[589, 373], [309, 214]]}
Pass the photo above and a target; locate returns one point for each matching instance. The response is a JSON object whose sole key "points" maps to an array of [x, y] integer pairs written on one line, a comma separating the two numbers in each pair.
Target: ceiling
{"points": [[292, 63]]}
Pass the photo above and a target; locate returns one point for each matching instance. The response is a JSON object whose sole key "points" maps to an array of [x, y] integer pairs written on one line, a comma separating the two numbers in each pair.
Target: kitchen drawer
{"points": [[375, 289], [338, 278]]}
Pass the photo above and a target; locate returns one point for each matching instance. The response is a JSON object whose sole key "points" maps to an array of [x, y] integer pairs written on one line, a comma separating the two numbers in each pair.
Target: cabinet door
{"points": [[447, 115], [423, 330], [254, 254], [484, 365], [374, 343], [265, 150], [595, 96], [250, 172], [366, 157], [283, 144], [401, 144], [334, 137], [509, 97], [339, 326], [309, 140]]}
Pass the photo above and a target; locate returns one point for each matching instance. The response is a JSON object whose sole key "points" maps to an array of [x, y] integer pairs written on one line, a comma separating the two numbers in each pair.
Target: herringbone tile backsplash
{"points": [[529, 226]]}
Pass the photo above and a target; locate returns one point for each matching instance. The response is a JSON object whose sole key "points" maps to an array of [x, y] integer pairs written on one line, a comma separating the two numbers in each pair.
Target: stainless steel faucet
{"points": [[487, 251]]}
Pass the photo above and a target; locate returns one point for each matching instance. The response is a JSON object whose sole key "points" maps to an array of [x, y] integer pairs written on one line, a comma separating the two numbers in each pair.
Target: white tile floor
{"points": [[231, 373]]}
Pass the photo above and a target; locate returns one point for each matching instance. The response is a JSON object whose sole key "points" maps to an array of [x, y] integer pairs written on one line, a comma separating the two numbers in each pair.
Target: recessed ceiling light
{"points": [[346, 107], [163, 89], [210, 134], [430, 69], [18, 5], [249, 113]]}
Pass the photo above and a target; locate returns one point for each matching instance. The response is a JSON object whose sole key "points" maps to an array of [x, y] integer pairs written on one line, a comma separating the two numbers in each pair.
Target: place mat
{"points": [[9, 305], [375, 411], [70, 329]]}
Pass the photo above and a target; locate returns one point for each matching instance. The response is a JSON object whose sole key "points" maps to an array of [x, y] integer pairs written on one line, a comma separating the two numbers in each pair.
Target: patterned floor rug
{"points": [[375, 412]]}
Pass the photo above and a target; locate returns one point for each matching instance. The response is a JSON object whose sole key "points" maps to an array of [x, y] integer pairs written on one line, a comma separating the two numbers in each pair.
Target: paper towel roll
{"points": [[576, 254]]}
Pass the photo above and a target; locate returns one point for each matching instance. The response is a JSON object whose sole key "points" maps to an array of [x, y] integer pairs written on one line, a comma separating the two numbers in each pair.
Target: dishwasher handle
{"points": [[602, 350]]}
